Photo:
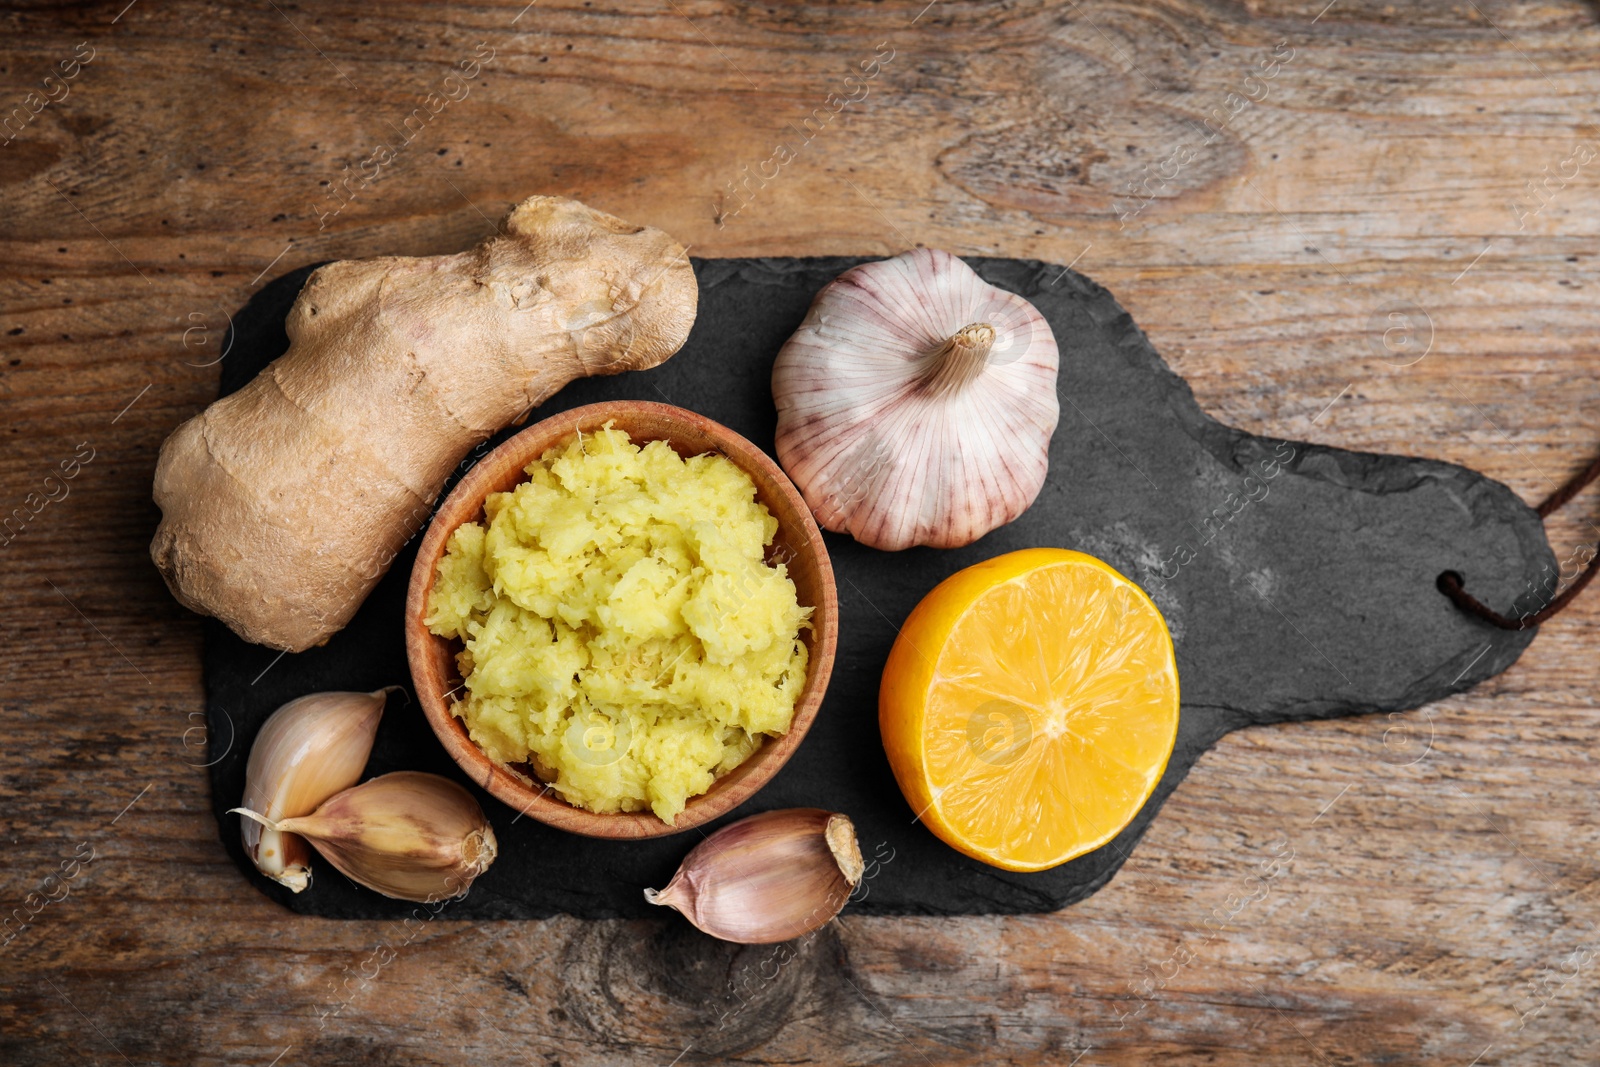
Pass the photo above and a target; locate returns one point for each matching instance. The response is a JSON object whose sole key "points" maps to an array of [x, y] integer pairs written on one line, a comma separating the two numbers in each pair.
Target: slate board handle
{"points": [[1453, 586]]}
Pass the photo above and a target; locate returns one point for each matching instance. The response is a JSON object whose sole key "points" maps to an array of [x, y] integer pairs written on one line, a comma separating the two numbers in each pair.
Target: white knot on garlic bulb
{"points": [[916, 403]]}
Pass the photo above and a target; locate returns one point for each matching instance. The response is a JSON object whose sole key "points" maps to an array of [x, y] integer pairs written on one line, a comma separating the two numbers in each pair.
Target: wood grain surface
{"points": [[1381, 240]]}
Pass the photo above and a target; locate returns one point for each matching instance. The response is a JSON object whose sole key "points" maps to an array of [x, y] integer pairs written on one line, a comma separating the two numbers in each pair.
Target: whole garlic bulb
{"points": [[916, 403]]}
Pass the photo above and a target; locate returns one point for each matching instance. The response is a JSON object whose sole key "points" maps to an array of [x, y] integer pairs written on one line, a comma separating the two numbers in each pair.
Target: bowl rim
{"points": [[428, 655]]}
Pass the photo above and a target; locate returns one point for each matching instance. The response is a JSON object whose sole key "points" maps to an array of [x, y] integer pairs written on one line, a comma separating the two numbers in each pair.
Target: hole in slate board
{"points": [[1315, 600]]}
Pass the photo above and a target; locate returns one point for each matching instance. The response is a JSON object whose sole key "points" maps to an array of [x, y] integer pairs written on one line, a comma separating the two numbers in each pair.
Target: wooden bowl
{"points": [[798, 542]]}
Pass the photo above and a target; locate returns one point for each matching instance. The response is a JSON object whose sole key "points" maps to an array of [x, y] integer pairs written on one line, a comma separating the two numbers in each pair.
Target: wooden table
{"points": [[1380, 241]]}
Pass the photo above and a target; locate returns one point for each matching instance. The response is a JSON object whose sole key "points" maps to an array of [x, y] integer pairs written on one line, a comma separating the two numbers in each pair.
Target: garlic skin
{"points": [[409, 835], [307, 751], [770, 877], [916, 403]]}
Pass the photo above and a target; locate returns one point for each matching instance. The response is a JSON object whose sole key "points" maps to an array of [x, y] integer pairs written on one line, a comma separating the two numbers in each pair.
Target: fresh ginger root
{"points": [[284, 503]]}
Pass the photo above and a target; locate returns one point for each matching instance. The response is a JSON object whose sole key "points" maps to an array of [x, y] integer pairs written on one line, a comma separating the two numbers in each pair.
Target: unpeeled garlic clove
{"points": [[307, 751], [408, 835], [768, 878]]}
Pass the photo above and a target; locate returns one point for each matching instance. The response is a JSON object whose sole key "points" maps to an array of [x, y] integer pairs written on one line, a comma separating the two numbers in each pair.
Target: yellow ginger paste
{"points": [[623, 633]]}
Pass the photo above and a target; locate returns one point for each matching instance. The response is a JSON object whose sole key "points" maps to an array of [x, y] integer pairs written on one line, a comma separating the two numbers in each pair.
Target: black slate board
{"points": [[1305, 593]]}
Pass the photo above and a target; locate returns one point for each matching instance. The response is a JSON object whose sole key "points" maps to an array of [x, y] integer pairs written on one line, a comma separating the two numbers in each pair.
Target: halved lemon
{"points": [[1029, 707]]}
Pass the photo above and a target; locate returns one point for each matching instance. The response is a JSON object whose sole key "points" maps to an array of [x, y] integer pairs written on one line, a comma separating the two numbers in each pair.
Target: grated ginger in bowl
{"points": [[622, 630]]}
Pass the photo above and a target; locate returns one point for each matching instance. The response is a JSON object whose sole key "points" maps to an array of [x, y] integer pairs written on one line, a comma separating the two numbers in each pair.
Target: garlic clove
{"points": [[916, 403], [771, 877], [407, 834], [307, 751]]}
